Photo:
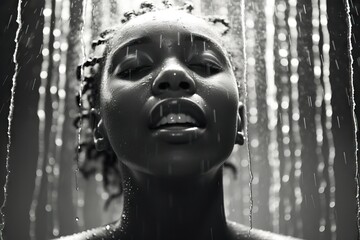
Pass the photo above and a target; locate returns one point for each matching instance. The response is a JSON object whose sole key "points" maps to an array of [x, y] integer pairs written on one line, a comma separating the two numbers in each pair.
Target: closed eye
{"points": [[205, 69], [134, 73], [134, 66], [205, 64]]}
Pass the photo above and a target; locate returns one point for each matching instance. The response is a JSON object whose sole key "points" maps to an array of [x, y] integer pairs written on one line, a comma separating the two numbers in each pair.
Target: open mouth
{"points": [[176, 120], [176, 114]]}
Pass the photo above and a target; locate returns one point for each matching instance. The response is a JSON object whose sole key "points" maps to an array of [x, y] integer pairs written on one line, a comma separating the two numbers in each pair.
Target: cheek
{"points": [[221, 96], [121, 104]]}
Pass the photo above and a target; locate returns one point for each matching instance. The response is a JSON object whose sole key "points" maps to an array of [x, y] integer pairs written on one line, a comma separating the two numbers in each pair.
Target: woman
{"points": [[168, 106]]}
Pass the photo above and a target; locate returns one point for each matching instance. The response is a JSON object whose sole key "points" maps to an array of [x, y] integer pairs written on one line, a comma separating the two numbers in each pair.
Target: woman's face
{"points": [[169, 98]]}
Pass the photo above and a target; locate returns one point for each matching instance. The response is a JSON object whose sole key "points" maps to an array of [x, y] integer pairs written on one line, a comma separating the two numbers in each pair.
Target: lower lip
{"points": [[179, 135]]}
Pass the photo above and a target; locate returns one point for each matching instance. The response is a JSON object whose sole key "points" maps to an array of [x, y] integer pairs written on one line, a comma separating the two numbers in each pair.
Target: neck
{"points": [[173, 208]]}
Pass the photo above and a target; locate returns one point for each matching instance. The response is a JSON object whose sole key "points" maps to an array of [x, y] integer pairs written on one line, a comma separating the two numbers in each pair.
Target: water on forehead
{"points": [[168, 23]]}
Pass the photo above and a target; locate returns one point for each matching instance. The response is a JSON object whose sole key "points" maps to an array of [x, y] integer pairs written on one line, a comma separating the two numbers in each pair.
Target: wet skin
{"points": [[141, 72], [161, 63]]}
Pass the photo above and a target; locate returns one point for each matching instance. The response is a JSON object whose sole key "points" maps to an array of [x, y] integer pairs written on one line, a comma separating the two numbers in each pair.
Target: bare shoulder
{"points": [[237, 232], [241, 232], [92, 234]]}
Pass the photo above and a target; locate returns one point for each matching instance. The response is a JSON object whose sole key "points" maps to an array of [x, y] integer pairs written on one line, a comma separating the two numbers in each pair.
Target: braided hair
{"points": [[91, 161]]}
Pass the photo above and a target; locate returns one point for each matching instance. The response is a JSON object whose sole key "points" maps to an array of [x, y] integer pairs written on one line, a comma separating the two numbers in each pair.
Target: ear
{"points": [[240, 137], [100, 138]]}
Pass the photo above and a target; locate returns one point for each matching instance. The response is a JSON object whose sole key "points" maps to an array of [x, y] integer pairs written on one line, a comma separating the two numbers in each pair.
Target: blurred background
{"points": [[299, 102]]}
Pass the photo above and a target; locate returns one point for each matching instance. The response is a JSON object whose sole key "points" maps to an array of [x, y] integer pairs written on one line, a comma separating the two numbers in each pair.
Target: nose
{"points": [[173, 79]]}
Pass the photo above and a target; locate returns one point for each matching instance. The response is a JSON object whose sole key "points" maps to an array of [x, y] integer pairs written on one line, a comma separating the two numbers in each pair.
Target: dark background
{"points": [[24, 148]]}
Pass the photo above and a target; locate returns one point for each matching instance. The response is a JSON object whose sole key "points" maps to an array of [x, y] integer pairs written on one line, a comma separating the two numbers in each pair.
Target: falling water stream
{"points": [[78, 194], [10, 118], [354, 118], [42, 117], [251, 178], [271, 193]]}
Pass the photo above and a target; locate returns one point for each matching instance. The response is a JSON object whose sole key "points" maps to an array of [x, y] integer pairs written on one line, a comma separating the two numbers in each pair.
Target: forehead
{"points": [[169, 24]]}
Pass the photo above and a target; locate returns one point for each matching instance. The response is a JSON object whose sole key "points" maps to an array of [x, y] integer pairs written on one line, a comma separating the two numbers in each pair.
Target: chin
{"points": [[179, 160]]}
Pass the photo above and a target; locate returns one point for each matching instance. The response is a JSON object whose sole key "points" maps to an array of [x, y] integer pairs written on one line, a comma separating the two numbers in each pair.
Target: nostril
{"points": [[164, 85], [184, 85]]}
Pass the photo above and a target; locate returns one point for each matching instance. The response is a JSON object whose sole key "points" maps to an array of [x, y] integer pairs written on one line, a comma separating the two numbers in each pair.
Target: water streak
{"points": [[287, 164], [242, 7], [318, 111], [59, 97], [10, 117], [272, 106], [42, 119], [76, 193], [351, 61], [294, 80], [328, 116], [251, 103]]}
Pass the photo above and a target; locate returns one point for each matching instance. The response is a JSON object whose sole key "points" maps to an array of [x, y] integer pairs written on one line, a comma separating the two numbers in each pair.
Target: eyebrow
{"points": [[197, 37], [147, 39], [132, 42]]}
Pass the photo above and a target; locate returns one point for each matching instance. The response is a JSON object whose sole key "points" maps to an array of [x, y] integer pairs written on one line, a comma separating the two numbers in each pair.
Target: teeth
{"points": [[189, 119], [174, 118], [181, 118], [171, 118]]}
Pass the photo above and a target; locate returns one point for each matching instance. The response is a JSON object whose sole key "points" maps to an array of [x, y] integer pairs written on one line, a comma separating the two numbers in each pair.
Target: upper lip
{"points": [[177, 106]]}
